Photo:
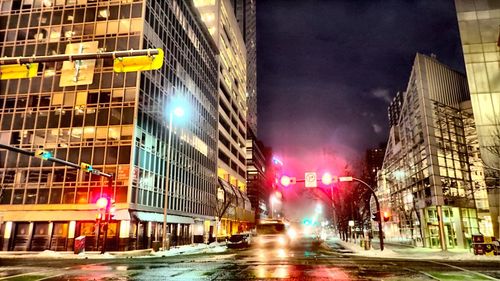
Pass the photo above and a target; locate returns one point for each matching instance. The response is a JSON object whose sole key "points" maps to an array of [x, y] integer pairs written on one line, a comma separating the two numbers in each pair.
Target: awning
{"points": [[226, 186], [157, 217], [57, 215]]}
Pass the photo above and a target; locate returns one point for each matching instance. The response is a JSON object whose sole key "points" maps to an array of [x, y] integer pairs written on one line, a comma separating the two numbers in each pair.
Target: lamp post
{"points": [[380, 233], [177, 111], [327, 179]]}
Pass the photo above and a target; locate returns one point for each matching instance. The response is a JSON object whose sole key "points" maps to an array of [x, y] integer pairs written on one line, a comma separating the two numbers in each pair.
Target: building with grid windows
{"points": [[246, 11], [426, 173], [115, 121], [479, 24], [221, 22]]}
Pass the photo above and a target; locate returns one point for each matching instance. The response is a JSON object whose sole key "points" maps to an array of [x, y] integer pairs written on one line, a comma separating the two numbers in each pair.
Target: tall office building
{"points": [[246, 11], [117, 122], [374, 158], [426, 171], [220, 20], [395, 108], [479, 24], [258, 181]]}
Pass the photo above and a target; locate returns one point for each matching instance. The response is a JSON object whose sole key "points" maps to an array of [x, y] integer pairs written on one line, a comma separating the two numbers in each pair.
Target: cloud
{"points": [[377, 128], [382, 94]]}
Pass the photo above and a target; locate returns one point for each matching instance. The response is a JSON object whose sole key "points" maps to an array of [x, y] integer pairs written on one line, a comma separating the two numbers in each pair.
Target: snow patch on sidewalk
{"points": [[416, 253]]}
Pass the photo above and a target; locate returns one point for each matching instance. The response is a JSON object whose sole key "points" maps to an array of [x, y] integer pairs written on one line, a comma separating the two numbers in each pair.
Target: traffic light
{"points": [[112, 208], [43, 154], [286, 181], [376, 216], [86, 167], [387, 216], [102, 203]]}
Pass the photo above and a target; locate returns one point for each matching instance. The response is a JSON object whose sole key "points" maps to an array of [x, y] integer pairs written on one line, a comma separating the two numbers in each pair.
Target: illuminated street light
{"points": [[177, 109], [350, 179]]}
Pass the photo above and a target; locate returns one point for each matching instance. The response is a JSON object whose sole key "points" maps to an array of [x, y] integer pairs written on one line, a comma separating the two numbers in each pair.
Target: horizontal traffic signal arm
{"points": [[74, 57], [53, 159]]}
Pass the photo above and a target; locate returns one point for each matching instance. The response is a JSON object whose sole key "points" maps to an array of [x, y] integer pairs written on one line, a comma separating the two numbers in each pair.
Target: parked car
{"points": [[238, 241]]}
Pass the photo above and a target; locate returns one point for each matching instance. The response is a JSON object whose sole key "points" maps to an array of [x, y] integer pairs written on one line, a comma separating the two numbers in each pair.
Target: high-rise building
{"points": [[395, 108], [259, 185], [220, 20], [374, 159], [246, 11], [426, 171], [479, 23], [115, 121]]}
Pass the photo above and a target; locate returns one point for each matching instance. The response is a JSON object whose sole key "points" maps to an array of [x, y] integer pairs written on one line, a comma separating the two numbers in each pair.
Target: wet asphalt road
{"points": [[300, 262]]}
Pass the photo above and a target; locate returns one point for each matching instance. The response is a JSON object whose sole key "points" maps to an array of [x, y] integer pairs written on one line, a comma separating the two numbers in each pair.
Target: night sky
{"points": [[327, 71]]}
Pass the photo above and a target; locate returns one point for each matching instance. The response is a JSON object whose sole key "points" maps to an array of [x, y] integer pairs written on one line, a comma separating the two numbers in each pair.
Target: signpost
{"points": [[311, 180]]}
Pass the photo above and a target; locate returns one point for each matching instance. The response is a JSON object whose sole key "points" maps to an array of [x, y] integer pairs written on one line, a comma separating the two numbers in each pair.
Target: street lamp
{"points": [[381, 235], [328, 180], [177, 110]]}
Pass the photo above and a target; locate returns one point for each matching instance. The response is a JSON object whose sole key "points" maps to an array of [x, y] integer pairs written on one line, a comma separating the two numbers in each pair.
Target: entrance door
{"points": [[59, 238], [41, 237], [451, 237], [434, 236], [21, 236]]}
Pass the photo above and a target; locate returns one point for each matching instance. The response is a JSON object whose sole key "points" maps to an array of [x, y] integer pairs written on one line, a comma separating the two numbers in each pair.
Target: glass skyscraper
{"points": [[425, 179], [479, 23], [118, 122]]}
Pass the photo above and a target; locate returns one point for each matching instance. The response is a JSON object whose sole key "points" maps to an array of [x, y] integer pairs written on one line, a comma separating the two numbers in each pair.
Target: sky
{"points": [[327, 71]]}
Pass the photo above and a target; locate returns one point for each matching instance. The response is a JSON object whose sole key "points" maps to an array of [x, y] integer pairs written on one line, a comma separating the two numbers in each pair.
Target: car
{"points": [[238, 241], [271, 233]]}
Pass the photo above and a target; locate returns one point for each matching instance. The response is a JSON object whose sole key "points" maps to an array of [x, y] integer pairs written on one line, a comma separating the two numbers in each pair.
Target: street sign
{"points": [[311, 180], [79, 72]]}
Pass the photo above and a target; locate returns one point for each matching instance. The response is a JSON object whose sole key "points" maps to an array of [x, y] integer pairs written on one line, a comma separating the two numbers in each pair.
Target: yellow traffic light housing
{"points": [[43, 154], [139, 63], [18, 71], [86, 167]]}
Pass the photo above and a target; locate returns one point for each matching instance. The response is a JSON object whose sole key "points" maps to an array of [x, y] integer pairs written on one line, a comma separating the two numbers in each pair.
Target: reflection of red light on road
{"points": [[329, 272]]}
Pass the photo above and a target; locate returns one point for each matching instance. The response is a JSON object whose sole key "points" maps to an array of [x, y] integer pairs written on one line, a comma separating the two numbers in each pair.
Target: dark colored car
{"points": [[238, 241]]}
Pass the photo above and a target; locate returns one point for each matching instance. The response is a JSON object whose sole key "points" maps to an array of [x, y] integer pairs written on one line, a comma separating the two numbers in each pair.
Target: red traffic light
{"points": [[285, 180], [387, 216], [102, 203], [327, 178]]}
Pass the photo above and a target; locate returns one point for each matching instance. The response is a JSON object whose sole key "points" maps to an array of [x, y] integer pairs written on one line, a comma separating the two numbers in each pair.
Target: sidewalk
{"points": [[146, 253], [407, 252]]}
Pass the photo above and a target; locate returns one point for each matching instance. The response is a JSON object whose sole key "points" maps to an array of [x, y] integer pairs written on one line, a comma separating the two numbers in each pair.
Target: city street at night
{"points": [[300, 262], [249, 140]]}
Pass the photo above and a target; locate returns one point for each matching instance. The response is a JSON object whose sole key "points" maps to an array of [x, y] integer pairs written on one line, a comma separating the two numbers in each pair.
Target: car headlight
{"points": [[282, 240], [292, 233]]}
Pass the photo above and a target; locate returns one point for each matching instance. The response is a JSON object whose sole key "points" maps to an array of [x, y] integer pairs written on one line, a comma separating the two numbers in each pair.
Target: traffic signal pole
{"points": [[107, 215], [49, 157], [380, 232]]}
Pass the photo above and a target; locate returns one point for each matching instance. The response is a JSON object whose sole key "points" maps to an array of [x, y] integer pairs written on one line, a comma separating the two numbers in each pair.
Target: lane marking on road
{"points": [[24, 274], [45, 272], [466, 270]]}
